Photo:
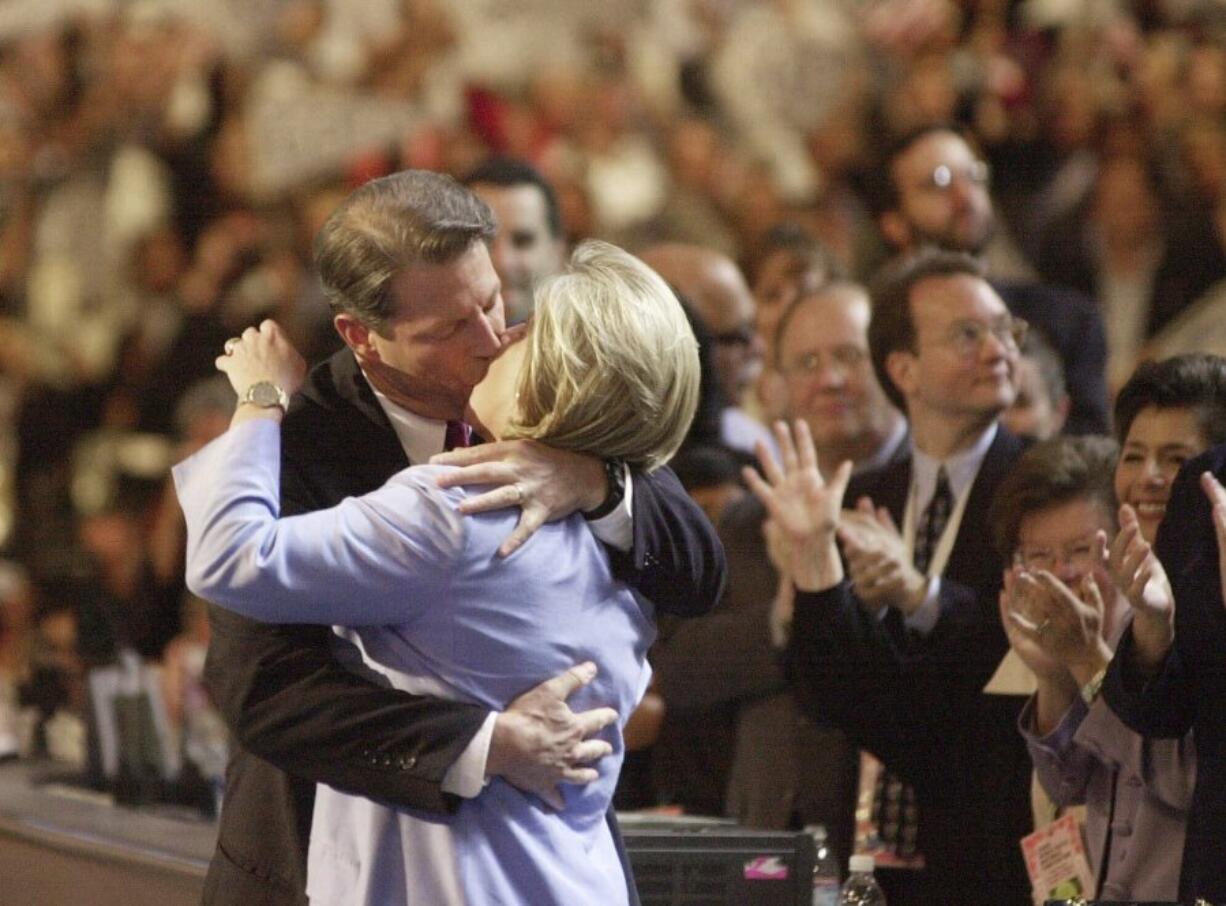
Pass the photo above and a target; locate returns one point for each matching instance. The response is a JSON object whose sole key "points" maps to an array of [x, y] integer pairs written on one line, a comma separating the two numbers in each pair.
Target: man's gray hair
{"points": [[411, 217]]}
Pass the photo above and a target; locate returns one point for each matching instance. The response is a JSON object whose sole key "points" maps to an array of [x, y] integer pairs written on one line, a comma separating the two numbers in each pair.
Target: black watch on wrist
{"points": [[615, 474]]}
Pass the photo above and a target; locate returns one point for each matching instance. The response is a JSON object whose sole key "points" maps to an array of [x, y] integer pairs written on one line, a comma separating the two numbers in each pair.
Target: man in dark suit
{"points": [[405, 264], [898, 654], [934, 192], [1164, 689], [785, 771]]}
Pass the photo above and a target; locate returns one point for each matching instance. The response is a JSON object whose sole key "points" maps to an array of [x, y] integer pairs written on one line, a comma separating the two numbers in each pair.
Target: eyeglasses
{"points": [[1078, 554], [942, 177], [966, 337], [842, 357]]}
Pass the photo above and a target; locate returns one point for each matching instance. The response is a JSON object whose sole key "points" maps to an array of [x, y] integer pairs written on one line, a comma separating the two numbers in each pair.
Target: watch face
{"points": [[264, 394]]}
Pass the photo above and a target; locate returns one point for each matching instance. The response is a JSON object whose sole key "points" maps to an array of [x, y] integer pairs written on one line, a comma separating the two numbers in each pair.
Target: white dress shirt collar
{"points": [[420, 437], [960, 468]]}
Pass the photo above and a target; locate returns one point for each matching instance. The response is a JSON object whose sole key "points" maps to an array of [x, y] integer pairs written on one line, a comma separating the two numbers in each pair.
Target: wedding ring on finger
{"points": [[230, 344], [1042, 627], [519, 494]]}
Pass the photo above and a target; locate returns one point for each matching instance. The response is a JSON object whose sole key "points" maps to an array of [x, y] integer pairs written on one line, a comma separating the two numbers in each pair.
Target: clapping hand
{"points": [[1019, 615], [1138, 573], [882, 573], [1066, 625], [803, 506]]}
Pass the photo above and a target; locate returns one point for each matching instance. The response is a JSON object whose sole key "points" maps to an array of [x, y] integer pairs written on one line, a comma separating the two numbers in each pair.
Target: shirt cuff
{"points": [[466, 776], [924, 617], [1061, 736], [616, 529]]}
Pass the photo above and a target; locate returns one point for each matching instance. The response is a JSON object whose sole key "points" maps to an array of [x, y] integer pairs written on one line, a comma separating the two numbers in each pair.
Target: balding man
{"points": [[785, 770], [714, 287]]}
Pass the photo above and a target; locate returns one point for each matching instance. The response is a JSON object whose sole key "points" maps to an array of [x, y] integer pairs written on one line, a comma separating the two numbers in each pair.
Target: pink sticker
{"points": [[766, 868]]}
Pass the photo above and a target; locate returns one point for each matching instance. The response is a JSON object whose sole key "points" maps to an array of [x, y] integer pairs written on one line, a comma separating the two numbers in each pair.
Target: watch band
{"points": [[615, 474], [266, 395]]}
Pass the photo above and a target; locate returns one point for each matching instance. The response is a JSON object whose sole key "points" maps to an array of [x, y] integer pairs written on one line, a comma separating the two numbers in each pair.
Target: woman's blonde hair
{"points": [[612, 365]]}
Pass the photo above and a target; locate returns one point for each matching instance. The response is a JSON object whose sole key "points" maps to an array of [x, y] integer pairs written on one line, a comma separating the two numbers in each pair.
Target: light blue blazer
{"points": [[433, 609]]}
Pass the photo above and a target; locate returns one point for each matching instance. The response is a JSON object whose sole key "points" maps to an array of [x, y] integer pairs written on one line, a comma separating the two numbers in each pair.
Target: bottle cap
{"points": [[861, 863], [816, 831]]}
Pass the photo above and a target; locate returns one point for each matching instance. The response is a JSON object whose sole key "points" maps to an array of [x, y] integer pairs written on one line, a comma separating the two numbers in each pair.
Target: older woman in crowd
{"points": [[611, 368], [1065, 616], [1063, 612]]}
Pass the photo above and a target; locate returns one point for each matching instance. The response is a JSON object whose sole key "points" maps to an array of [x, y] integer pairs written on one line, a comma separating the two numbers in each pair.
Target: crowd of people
{"points": [[958, 245]]}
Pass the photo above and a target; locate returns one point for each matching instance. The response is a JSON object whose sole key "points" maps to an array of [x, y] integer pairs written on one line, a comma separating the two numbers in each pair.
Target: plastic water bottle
{"points": [[861, 888], [825, 869]]}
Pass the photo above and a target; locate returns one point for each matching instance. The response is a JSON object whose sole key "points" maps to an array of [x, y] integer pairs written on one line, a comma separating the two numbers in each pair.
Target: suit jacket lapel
{"points": [[973, 549]]}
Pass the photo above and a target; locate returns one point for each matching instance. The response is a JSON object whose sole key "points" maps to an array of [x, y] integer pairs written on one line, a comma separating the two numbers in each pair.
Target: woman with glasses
{"points": [[1063, 611], [611, 368]]}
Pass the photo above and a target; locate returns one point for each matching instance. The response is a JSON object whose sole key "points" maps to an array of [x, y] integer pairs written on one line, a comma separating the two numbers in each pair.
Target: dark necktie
{"points": [[459, 434], [932, 523]]}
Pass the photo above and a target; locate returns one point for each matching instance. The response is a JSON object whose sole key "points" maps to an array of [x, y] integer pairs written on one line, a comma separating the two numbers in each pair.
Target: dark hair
{"points": [[788, 236], [1196, 381], [881, 192], [388, 224], [509, 172], [892, 328], [706, 466], [1049, 474], [705, 429]]}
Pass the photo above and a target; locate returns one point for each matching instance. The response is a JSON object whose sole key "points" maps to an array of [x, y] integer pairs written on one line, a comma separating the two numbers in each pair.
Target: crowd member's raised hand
{"points": [[882, 572], [1140, 576], [1066, 625], [803, 506], [1217, 499], [1021, 615]]}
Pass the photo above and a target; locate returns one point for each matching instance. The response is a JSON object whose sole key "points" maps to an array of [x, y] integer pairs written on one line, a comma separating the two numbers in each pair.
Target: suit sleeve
{"points": [[849, 673], [676, 560], [289, 701]]}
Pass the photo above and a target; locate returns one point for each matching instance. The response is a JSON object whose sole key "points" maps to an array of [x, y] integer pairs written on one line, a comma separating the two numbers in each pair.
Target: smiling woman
{"points": [[1167, 413]]}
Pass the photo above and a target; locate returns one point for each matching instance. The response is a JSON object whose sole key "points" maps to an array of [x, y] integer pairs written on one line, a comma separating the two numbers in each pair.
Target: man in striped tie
{"points": [[897, 651]]}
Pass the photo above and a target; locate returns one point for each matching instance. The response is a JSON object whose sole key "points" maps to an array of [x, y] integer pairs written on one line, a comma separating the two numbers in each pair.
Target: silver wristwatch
{"points": [[266, 394]]}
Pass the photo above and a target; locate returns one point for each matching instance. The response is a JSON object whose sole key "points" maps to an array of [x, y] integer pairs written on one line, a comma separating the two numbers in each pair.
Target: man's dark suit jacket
{"points": [[1190, 692], [300, 718], [1073, 325], [784, 771], [918, 704]]}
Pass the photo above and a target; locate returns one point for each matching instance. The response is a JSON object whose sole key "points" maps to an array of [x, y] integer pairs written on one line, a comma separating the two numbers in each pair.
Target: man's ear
{"points": [[356, 336], [900, 366], [895, 229]]}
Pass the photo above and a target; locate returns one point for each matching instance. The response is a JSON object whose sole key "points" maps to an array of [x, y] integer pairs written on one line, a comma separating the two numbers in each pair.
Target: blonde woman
{"points": [[610, 368]]}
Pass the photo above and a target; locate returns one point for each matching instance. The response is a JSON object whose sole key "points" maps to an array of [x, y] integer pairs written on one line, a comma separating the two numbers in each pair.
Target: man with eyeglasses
{"points": [[785, 770], [936, 193], [713, 286], [898, 654]]}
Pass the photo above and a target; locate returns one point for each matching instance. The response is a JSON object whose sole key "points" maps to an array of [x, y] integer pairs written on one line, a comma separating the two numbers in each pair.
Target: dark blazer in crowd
{"points": [[1073, 325], [1190, 692], [785, 770], [918, 704], [300, 718]]}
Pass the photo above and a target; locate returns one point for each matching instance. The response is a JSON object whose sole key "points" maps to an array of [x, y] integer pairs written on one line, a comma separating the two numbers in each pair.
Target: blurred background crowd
{"points": [[164, 165]]}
